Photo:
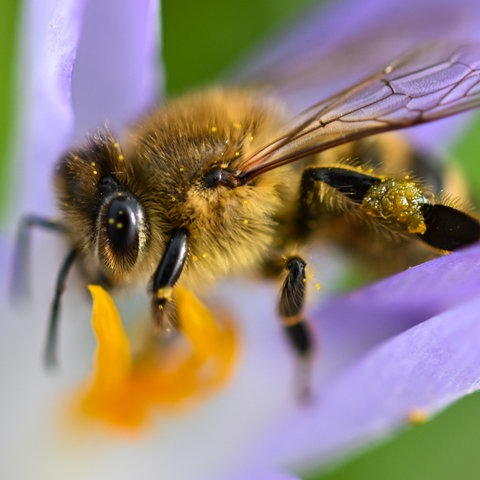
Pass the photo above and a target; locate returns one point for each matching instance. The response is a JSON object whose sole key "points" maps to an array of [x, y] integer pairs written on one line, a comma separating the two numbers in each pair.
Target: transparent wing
{"points": [[428, 84], [339, 42]]}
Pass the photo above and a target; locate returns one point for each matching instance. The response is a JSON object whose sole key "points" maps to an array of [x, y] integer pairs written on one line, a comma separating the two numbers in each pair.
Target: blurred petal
{"points": [[316, 58], [118, 54], [125, 78], [51, 31]]}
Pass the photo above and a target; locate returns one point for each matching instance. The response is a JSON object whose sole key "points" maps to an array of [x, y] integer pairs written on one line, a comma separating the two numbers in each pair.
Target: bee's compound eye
{"points": [[122, 227], [124, 231]]}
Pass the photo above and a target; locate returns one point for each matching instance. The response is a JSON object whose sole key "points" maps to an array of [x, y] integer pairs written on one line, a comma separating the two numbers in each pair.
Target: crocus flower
{"points": [[394, 352]]}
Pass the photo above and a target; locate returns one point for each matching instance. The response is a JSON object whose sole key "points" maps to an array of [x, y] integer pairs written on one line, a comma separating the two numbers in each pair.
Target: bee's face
{"points": [[103, 215]]}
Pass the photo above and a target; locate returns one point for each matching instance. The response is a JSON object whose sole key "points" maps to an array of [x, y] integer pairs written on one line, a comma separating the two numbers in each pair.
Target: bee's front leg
{"points": [[290, 311], [166, 276]]}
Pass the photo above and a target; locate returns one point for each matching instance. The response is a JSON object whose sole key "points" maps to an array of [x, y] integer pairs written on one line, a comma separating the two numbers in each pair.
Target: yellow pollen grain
{"points": [[173, 198], [237, 125], [165, 293], [119, 225], [204, 255], [111, 221], [95, 172], [116, 145], [181, 169], [246, 221], [93, 164], [213, 129], [121, 157], [417, 416], [317, 286], [195, 258], [237, 154], [250, 138]]}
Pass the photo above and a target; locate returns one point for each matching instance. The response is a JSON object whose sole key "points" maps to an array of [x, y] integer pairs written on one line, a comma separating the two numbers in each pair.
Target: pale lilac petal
{"points": [[50, 33], [115, 84], [257, 474], [116, 74]]}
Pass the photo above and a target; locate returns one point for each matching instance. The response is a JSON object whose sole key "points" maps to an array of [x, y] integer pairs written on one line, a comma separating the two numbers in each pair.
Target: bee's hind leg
{"points": [[400, 205], [290, 311]]}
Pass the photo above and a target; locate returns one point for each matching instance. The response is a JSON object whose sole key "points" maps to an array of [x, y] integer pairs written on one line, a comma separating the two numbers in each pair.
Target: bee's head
{"points": [[103, 217]]}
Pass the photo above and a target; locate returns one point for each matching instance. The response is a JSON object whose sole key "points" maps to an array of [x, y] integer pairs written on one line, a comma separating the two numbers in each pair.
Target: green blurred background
{"points": [[444, 448]]}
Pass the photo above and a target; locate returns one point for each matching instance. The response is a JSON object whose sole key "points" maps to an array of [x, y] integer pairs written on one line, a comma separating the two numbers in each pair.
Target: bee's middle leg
{"points": [[290, 310]]}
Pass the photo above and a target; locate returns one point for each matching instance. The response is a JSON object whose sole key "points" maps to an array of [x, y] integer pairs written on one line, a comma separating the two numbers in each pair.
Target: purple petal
{"points": [[331, 49], [49, 46], [349, 325], [426, 368], [408, 342], [123, 37], [115, 78], [257, 474]]}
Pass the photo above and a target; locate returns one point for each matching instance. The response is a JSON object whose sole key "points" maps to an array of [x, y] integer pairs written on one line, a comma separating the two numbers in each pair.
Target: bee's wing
{"points": [[341, 42], [428, 84]]}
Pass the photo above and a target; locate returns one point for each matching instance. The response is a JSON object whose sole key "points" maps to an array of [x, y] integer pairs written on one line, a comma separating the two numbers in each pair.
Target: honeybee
{"points": [[223, 182]]}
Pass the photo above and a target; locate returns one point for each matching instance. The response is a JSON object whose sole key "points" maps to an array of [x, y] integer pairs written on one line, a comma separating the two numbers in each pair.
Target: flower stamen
{"points": [[125, 392]]}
